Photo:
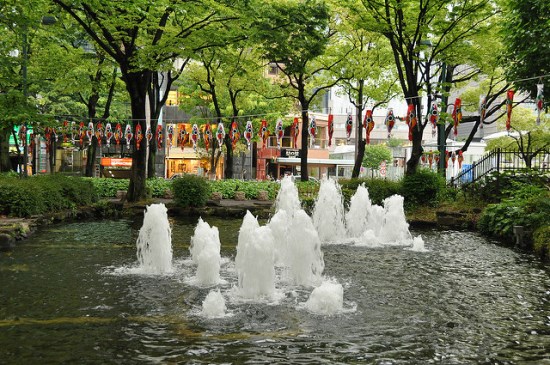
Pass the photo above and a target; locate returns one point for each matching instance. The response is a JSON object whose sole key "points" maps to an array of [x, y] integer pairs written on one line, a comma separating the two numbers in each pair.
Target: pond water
{"points": [[66, 298]]}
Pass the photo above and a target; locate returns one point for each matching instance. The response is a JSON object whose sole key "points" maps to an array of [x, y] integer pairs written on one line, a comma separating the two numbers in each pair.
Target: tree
{"points": [[294, 36], [527, 42], [142, 37], [526, 137], [408, 25], [375, 154]]}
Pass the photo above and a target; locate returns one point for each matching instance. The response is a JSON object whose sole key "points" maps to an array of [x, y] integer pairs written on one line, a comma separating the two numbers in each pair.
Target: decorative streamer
{"points": [[98, 133], [295, 131], [264, 133], [312, 130], [207, 135], [90, 132], [509, 102], [180, 141], [195, 136], [108, 134], [349, 126], [368, 124], [460, 159], [118, 133], [457, 115], [540, 101], [220, 134], [81, 133], [139, 136], [248, 132], [411, 119], [279, 132], [128, 135], [160, 136], [66, 131], [330, 128], [170, 134], [234, 133], [148, 135], [390, 121]]}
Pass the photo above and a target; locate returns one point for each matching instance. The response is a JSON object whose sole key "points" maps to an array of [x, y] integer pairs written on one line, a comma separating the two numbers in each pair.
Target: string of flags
{"points": [[107, 133]]}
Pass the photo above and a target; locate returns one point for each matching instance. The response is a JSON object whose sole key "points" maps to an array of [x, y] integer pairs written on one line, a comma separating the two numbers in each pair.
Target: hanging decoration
{"points": [[453, 157], [460, 159], [139, 136], [81, 133], [159, 136], [264, 133], [447, 156], [128, 135], [98, 133], [220, 134], [148, 135], [279, 132], [457, 115], [312, 130], [90, 132], [207, 135], [423, 158], [108, 134], [482, 111], [195, 135], [170, 134], [248, 131], [390, 121], [295, 131], [48, 138], [509, 102], [23, 135], [411, 119], [118, 133], [436, 158], [330, 128], [540, 101], [368, 123], [180, 140], [66, 131], [32, 143], [434, 117], [430, 158], [234, 133], [349, 126]]}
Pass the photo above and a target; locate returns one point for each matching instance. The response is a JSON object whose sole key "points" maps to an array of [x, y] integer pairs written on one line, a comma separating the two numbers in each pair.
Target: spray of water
{"points": [[205, 252], [326, 299], [213, 305], [154, 243], [328, 212]]}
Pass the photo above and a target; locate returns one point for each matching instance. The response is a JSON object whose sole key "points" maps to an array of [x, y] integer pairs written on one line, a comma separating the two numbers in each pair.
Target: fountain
{"points": [[205, 252], [328, 212], [154, 243], [213, 305], [326, 299]]}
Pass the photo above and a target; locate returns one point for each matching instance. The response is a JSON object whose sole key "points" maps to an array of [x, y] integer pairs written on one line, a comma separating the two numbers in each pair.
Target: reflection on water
{"points": [[464, 301]]}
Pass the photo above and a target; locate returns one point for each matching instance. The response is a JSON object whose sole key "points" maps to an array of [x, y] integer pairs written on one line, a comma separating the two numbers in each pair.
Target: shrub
{"points": [[424, 187], [43, 194], [191, 190], [541, 241], [250, 188]]}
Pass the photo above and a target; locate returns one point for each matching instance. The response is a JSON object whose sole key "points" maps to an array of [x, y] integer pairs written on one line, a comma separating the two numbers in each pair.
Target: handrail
{"points": [[499, 160]]}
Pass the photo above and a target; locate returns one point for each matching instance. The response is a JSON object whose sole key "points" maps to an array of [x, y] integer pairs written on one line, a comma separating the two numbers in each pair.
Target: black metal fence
{"points": [[500, 161]]}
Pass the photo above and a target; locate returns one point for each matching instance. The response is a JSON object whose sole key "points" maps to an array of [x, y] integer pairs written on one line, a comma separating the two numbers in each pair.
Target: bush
{"points": [[43, 194], [250, 188], [191, 191], [379, 189], [541, 241], [107, 188], [423, 188], [527, 206]]}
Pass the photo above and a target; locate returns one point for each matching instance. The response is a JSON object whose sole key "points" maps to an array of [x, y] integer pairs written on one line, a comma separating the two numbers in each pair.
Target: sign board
{"points": [[290, 152], [116, 162]]}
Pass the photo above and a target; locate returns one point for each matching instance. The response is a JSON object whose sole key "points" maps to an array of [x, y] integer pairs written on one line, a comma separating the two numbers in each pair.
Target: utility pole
{"points": [[441, 137]]}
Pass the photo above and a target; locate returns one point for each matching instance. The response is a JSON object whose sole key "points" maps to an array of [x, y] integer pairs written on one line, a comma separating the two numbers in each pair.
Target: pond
{"points": [[465, 300]]}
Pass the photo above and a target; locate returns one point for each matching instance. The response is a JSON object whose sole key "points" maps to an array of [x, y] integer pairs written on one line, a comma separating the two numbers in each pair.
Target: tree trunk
{"points": [[5, 163], [304, 104], [136, 84], [360, 145]]}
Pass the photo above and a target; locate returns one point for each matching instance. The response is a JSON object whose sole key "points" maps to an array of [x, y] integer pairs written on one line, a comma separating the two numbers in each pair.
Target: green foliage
{"points": [[158, 187], [191, 191], [43, 194], [541, 241], [379, 189], [527, 206], [424, 187], [107, 188], [375, 154], [497, 185], [251, 188]]}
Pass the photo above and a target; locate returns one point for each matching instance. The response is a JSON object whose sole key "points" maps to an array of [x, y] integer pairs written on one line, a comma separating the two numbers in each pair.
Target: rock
{"points": [[7, 242], [263, 195], [239, 195]]}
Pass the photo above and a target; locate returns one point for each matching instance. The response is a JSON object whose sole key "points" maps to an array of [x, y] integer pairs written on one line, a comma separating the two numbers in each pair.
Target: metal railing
{"points": [[500, 161]]}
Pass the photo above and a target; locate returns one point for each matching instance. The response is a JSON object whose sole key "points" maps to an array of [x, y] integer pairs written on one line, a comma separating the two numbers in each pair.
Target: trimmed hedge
{"points": [[191, 191], [43, 194], [423, 188], [379, 189]]}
